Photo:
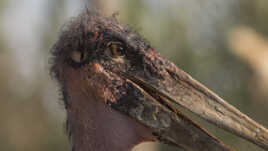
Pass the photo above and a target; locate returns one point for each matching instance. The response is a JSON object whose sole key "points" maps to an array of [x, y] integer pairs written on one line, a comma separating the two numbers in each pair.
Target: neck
{"points": [[95, 126]]}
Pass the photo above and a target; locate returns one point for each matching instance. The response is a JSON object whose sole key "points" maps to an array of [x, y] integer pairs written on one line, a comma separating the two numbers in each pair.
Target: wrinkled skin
{"points": [[98, 60]]}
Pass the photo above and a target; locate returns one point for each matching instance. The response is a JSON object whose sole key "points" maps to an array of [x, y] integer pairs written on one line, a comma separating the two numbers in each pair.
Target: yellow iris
{"points": [[116, 48]]}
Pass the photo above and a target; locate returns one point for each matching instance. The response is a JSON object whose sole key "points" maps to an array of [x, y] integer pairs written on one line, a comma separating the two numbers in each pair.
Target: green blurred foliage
{"points": [[26, 123]]}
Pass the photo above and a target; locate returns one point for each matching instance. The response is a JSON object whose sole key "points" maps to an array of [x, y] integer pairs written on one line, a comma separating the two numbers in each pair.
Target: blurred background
{"points": [[223, 44]]}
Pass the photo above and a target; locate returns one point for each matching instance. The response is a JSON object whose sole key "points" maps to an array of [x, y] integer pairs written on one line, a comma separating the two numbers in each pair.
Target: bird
{"points": [[118, 92]]}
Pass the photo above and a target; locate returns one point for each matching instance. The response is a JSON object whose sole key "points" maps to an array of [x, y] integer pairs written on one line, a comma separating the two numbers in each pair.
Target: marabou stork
{"points": [[118, 92]]}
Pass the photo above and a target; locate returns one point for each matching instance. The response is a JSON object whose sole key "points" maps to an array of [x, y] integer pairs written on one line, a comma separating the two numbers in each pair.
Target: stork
{"points": [[118, 92]]}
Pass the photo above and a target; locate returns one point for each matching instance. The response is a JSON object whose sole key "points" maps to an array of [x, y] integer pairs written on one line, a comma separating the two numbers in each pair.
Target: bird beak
{"points": [[160, 112]]}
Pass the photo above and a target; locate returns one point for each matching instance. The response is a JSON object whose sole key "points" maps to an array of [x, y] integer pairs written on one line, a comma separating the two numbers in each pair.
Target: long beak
{"points": [[195, 97]]}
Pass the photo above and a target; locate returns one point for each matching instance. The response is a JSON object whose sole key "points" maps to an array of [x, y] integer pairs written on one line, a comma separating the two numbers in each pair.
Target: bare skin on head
{"points": [[94, 125], [118, 92]]}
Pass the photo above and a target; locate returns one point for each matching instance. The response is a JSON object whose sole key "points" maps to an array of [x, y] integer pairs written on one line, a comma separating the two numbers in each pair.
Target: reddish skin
{"points": [[107, 130], [94, 125]]}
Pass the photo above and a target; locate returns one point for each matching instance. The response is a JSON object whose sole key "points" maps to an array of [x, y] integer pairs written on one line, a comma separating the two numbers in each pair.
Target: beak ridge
{"points": [[195, 97], [217, 111], [167, 123]]}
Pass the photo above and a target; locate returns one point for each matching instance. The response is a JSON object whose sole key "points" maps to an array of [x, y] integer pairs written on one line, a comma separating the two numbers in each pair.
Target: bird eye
{"points": [[78, 56], [116, 48]]}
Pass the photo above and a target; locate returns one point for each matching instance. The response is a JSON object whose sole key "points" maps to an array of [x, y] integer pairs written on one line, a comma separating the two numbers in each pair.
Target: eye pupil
{"points": [[116, 51], [82, 56], [116, 48]]}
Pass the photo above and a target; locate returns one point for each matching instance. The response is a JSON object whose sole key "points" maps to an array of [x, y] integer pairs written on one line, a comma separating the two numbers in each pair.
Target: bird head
{"points": [[97, 57]]}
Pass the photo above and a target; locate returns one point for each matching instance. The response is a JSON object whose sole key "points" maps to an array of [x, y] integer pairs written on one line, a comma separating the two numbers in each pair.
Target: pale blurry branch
{"points": [[252, 48]]}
